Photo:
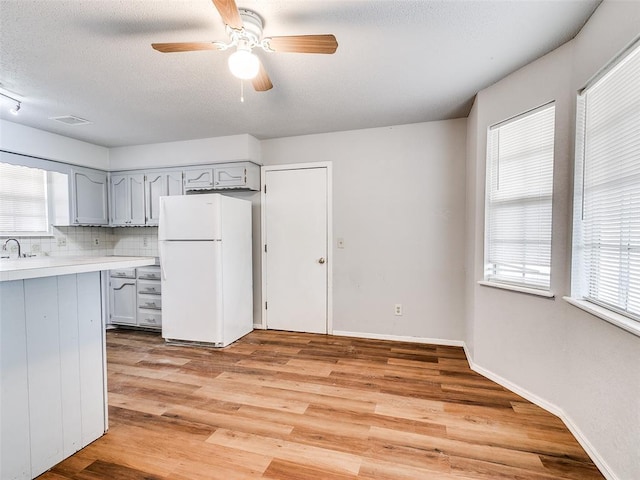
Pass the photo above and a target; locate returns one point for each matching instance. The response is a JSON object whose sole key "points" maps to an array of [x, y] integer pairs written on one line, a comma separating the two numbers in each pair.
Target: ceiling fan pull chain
{"points": [[241, 91]]}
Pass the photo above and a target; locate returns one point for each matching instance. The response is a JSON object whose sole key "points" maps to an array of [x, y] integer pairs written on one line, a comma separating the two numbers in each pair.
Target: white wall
{"points": [[189, 152], [398, 203], [581, 367], [38, 143]]}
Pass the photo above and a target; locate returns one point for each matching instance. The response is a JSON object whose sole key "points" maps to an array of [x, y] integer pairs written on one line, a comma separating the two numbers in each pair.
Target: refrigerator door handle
{"points": [[162, 272]]}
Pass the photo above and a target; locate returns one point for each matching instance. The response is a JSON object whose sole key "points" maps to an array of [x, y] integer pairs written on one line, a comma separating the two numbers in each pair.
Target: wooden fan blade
{"points": [[183, 47], [262, 82], [304, 44], [229, 12]]}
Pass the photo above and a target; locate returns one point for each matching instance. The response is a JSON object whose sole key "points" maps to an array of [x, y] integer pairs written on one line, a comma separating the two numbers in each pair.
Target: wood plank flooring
{"points": [[279, 405]]}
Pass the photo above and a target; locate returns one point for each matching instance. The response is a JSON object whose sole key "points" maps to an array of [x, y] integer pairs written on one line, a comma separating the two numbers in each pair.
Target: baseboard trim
{"points": [[258, 326], [541, 402], [549, 407], [400, 338]]}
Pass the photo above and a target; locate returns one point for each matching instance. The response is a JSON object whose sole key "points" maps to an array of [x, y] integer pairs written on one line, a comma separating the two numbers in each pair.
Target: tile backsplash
{"points": [[138, 241]]}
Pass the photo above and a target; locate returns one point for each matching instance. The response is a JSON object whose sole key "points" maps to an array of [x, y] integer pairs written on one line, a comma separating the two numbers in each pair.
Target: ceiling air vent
{"points": [[70, 120]]}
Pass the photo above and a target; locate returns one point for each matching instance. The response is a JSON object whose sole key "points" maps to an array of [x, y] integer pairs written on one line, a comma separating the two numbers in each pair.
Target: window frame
{"points": [[522, 287], [50, 210], [579, 277]]}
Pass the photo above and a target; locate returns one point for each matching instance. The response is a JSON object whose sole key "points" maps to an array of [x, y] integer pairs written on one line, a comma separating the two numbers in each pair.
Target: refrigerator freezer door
{"points": [[190, 217], [192, 291]]}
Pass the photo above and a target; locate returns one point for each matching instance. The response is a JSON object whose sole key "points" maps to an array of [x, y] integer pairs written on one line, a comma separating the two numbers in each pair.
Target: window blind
{"points": [[23, 200], [519, 199], [607, 217]]}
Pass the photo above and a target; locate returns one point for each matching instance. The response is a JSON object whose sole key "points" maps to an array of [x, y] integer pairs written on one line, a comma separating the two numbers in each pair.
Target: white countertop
{"points": [[36, 267]]}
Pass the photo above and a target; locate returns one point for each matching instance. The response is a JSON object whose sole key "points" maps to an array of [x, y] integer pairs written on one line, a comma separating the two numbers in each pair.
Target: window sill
{"points": [[614, 318], [516, 288]]}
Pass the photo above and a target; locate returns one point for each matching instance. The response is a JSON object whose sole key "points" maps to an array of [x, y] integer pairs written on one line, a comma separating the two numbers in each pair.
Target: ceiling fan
{"points": [[244, 28]]}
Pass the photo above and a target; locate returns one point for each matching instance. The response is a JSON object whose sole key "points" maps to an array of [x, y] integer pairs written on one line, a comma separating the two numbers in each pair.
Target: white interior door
{"points": [[295, 210]]}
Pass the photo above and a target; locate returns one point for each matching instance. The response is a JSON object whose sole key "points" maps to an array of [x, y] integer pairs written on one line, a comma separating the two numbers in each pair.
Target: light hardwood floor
{"points": [[278, 405]]}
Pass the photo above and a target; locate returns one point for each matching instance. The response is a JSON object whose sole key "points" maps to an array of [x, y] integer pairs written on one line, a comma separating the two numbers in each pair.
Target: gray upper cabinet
{"points": [[160, 184], [223, 176], [89, 197], [127, 200], [198, 178], [135, 194], [242, 175]]}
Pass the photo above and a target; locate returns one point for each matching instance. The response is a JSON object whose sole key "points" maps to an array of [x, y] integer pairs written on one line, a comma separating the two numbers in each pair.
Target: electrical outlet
{"points": [[62, 241], [145, 241], [397, 309], [341, 243], [96, 241]]}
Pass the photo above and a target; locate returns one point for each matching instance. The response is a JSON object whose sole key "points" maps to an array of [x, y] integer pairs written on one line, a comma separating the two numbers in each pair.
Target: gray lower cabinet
{"points": [[122, 301], [135, 297], [149, 289], [52, 384]]}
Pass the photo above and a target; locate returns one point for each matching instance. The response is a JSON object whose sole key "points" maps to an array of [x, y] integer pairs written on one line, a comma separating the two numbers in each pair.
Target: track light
{"points": [[18, 103]]}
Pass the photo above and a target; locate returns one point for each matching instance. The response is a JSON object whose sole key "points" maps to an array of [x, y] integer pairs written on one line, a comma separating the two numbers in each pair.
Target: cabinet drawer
{"points": [[124, 273], [153, 302], [149, 287], [149, 318], [149, 273]]}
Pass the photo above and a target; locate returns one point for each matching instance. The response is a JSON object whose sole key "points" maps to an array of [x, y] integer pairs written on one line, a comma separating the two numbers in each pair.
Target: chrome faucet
{"points": [[4, 247]]}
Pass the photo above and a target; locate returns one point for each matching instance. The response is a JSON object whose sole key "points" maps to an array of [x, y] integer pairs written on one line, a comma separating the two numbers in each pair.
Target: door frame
{"points": [[329, 240]]}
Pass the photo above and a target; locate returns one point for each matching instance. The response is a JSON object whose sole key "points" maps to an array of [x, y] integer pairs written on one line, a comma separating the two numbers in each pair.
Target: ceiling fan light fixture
{"points": [[244, 64]]}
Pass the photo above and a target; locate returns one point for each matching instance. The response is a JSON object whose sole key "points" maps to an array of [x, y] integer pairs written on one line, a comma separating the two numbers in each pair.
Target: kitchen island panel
{"points": [[91, 348], [69, 363], [43, 373], [53, 390], [15, 461]]}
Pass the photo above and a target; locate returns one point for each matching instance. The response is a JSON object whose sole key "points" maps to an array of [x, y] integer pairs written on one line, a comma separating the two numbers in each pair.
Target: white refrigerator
{"points": [[205, 261]]}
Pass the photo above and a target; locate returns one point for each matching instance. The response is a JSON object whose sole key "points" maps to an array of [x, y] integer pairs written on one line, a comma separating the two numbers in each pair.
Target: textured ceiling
{"points": [[397, 62]]}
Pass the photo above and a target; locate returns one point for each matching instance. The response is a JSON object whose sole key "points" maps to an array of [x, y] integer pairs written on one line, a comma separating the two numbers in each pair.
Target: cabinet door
{"points": [[122, 301], [89, 197], [136, 196], [156, 188], [198, 178], [230, 177], [119, 200], [159, 184], [174, 183]]}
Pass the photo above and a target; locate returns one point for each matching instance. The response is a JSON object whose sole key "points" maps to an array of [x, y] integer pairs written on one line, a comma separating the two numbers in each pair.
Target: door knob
{"points": [[321, 260]]}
